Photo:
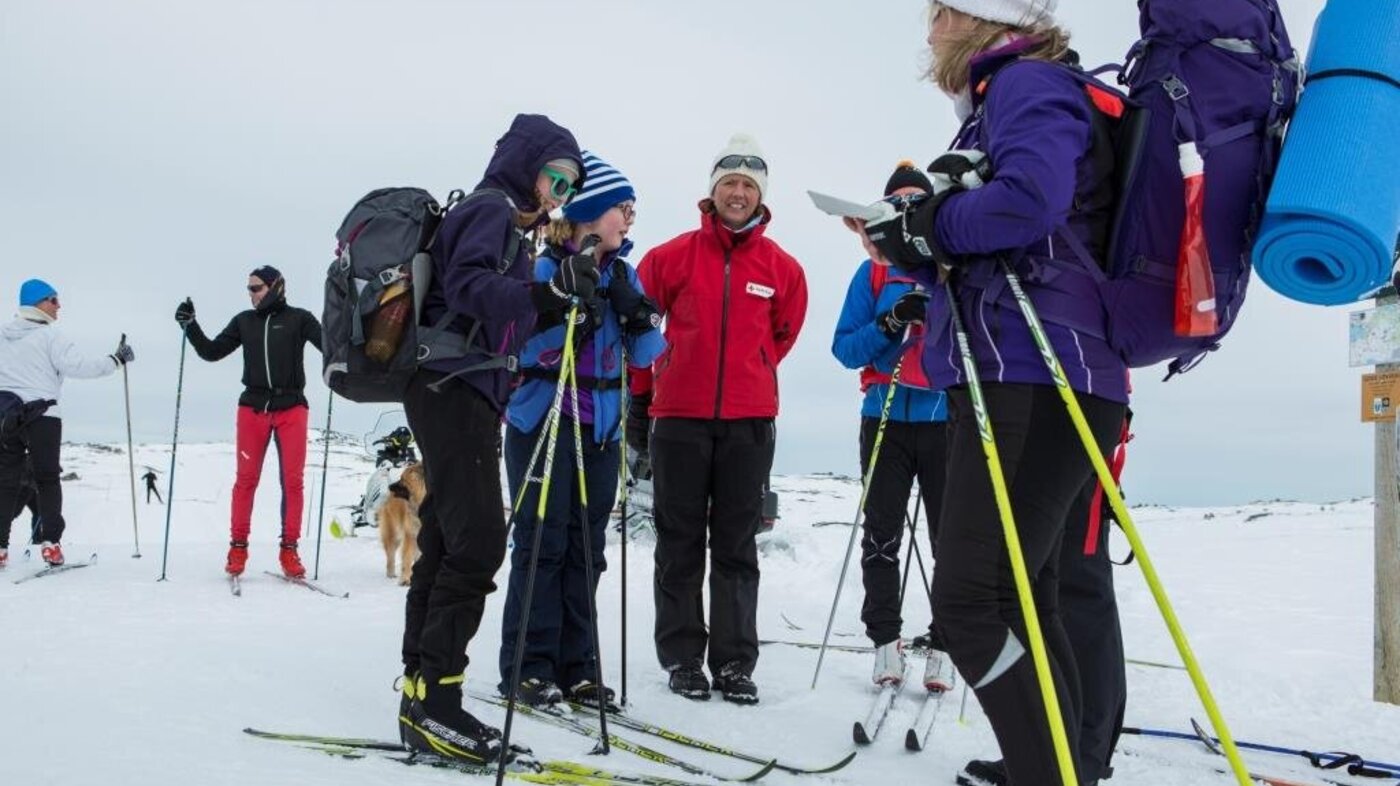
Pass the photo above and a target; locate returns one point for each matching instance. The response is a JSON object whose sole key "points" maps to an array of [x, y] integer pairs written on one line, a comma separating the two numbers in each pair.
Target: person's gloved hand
{"points": [[639, 423], [577, 276], [184, 313], [124, 354], [633, 309], [907, 241], [909, 309], [965, 169]]}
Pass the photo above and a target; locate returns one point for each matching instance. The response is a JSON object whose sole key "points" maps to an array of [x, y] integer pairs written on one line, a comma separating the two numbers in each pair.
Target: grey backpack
{"points": [[388, 237]]}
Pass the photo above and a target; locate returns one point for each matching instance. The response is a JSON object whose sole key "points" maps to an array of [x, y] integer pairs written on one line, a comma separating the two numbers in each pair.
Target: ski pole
{"points": [[549, 435], [130, 458], [1041, 659], [325, 465], [860, 511], [174, 443], [625, 405], [913, 524], [587, 525], [1125, 521]]}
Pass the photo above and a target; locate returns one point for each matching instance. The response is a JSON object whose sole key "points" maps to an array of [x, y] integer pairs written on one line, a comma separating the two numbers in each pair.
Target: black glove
{"points": [[184, 313], [577, 276], [124, 354], [907, 241], [636, 313], [639, 423], [909, 309]]}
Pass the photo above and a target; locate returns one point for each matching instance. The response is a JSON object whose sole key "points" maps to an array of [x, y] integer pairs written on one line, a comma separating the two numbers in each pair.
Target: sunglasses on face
{"points": [[747, 162], [51, 299], [254, 289], [903, 200], [561, 186]]}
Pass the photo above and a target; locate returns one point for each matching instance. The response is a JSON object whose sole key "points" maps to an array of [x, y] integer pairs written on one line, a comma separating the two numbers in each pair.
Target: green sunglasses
{"points": [[561, 185]]}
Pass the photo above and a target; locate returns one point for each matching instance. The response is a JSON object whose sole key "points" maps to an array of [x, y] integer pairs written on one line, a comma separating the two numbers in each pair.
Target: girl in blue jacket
{"points": [[619, 324], [881, 322]]}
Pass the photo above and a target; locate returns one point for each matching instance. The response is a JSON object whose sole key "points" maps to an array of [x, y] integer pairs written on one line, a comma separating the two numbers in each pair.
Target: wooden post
{"points": [[1386, 677]]}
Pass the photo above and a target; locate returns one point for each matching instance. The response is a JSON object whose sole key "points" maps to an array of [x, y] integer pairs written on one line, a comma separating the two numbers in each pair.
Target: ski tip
{"points": [[762, 771], [859, 734], [911, 741], [824, 770]]}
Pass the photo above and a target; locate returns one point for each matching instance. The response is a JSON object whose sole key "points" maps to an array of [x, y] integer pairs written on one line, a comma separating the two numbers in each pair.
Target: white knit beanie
{"points": [[1017, 13], [740, 145]]}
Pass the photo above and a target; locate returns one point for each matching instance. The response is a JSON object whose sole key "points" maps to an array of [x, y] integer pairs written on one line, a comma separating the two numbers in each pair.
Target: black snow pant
{"points": [[974, 595], [708, 485], [151, 489], [462, 541], [1089, 610], [38, 443], [908, 451]]}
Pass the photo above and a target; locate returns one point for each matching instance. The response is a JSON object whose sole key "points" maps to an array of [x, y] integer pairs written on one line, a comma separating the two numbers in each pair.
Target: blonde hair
{"points": [[559, 232], [952, 70]]}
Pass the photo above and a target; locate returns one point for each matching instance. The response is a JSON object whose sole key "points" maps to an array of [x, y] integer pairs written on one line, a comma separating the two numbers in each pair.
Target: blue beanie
{"points": [[603, 187], [33, 292]]}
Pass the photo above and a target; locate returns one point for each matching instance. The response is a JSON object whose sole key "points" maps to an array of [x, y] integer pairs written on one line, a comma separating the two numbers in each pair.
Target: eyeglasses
{"points": [[561, 186], [747, 162], [256, 288], [628, 210]]}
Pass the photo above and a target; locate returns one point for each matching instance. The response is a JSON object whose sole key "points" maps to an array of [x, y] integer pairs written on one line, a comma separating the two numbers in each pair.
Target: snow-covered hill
{"points": [[108, 676]]}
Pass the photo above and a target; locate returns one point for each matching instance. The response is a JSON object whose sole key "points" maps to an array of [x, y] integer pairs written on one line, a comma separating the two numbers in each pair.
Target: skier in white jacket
{"points": [[35, 358]]}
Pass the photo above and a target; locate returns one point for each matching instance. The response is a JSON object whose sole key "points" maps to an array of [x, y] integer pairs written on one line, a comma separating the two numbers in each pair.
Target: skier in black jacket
{"points": [[272, 406]]}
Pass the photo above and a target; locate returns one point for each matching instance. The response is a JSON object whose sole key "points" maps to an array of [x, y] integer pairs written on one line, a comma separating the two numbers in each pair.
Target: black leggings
{"points": [[975, 599]]}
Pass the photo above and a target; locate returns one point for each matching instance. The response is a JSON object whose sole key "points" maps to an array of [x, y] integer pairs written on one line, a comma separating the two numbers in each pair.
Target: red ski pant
{"points": [[288, 429]]}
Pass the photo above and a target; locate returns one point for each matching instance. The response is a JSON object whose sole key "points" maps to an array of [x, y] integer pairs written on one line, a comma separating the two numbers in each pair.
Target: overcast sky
{"points": [[154, 150]]}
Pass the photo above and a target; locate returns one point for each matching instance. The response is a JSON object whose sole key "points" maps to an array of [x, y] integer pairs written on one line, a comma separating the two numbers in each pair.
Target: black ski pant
{"points": [[38, 443], [559, 637], [151, 489], [462, 541], [708, 486], [1089, 610], [974, 595], [907, 451]]}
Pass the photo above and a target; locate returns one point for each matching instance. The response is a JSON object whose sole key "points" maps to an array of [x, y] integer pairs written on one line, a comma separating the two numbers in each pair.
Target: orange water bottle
{"points": [[390, 319], [1195, 284]]}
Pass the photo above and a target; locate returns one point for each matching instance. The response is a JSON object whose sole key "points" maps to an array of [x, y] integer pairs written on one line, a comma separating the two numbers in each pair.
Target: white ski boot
{"points": [[889, 664], [938, 672]]}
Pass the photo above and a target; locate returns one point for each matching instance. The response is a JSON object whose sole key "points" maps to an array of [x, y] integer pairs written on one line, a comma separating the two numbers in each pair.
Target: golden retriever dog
{"points": [[398, 523]]}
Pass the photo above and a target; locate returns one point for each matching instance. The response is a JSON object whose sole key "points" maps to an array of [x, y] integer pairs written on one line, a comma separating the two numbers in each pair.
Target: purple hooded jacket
{"points": [[1034, 124], [466, 255]]}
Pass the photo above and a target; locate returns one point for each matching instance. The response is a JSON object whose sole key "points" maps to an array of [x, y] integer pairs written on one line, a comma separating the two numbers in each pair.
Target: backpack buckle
{"points": [[422, 353], [390, 275], [513, 364], [1176, 89]]}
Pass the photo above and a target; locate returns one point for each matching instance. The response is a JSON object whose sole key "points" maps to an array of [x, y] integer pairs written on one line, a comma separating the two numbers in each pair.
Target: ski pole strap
{"points": [[1120, 457]]}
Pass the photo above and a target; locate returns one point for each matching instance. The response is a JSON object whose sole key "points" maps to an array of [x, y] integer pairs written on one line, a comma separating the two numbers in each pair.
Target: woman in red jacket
{"points": [[734, 303]]}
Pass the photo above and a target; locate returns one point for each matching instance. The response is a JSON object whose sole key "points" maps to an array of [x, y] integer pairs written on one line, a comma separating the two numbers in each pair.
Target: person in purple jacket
{"points": [[454, 406], [1007, 66]]}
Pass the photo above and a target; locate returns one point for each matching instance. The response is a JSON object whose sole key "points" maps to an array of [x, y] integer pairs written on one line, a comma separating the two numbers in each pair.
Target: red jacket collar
{"points": [[727, 238]]}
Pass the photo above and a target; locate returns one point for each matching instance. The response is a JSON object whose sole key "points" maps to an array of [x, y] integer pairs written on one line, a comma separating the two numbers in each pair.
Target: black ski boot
{"points": [[585, 692], [736, 686], [437, 724], [689, 681], [983, 773], [539, 693]]}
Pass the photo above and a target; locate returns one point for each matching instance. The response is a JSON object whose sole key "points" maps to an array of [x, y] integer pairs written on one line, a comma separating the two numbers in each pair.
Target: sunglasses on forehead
{"points": [[746, 162], [561, 184]]}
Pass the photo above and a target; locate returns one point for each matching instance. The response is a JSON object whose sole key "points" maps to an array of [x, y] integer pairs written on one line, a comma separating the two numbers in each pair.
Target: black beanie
{"points": [[270, 275], [906, 174]]}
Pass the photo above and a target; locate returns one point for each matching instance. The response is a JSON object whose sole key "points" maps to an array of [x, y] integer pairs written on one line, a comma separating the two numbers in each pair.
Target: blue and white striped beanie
{"points": [[603, 187]]}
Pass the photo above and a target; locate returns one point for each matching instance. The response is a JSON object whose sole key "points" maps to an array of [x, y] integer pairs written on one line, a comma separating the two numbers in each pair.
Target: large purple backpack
{"points": [[1223, 74]]}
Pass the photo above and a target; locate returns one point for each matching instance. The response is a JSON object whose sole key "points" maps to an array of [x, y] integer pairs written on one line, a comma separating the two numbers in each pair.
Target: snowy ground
{"points": [[111, 677]]}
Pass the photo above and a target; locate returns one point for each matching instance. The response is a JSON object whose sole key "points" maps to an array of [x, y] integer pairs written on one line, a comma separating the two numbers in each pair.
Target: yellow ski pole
{"points": [[1115, 500], [1013, 547]]}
